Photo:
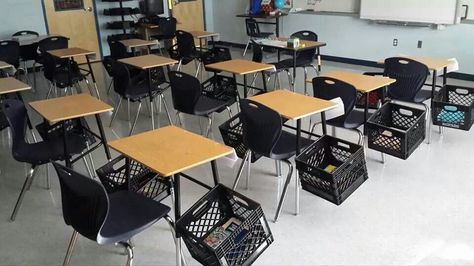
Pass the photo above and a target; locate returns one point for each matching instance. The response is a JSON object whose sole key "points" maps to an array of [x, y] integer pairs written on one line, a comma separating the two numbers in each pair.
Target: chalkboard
{"points": [[344, 6]]}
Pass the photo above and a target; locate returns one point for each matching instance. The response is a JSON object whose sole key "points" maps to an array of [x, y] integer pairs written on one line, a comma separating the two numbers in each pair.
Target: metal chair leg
{"points": [[382, 155], [241, 168], [290, 80], [136, 119], [129, 249], [428, 120], [70, 248], [116, 110], [247, 180], [305, 83], [26, 186], [178, 120], [297, 194], [229, 111], [48, 182], [128, 110], [173, 232], [110, 87], [246, 47], [285, 188], [209, 126], [166, 109]]}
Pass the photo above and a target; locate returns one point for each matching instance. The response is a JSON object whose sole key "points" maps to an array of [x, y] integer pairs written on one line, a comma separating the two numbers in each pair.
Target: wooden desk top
{"points": [[203, 34], [70, 52], [9, 85], [431, 63], [133, 43], [291, 105], [4, 65], [148, 61], [170, 150], [362, 83], [69, 107], [240, 66], [307, 44]]}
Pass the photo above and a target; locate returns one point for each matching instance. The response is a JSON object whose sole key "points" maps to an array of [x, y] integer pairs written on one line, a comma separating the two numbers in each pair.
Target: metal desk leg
{"points": [[92, 76], [67, 159], [323, 123], [213, 43], [445, 78], [264, 81], [215, 172], [294, 71], [277, 26], [151, 100], [103, 137], [245, 86], [366, 111], [433, 86], [298, 136], [177, 215]]}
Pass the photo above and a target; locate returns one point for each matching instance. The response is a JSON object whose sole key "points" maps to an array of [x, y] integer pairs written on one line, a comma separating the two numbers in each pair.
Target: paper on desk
{"points": [[229, 160]]}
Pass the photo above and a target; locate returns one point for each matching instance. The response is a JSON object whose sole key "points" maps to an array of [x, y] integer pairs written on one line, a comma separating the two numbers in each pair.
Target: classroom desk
{"points": [[433, 64], [169, 151], [278, 44], [148, 62], [202, 35], [65, 108], [132, 44], [70, 53], [4, 65], [276, 17], [242, 67], [363, 84]]}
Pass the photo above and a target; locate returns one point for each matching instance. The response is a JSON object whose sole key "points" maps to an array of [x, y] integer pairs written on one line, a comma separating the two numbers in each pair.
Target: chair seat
{"points": [[129, 214], [285, 147], [354, 120], [62, 78], [422, 96], [206, 106], [50, 150]]}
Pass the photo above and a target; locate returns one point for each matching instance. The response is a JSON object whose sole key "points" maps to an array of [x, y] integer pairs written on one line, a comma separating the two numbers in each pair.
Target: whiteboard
{"points": [[345, 6], [422, 11]]}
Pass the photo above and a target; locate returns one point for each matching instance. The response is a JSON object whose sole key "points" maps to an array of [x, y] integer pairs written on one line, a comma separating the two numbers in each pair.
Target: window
{"points": [[65, 5]]}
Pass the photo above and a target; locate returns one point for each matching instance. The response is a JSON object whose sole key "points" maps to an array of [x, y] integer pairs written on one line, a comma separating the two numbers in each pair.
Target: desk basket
{"points": [[396, 129], [332, 168], [232, 134], [246, 243], [453, 107], [143, 181], [221, 88]]}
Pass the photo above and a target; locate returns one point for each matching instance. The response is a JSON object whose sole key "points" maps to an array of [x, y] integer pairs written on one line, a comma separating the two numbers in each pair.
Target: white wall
{"points": [[16, 15], [351, 37]]}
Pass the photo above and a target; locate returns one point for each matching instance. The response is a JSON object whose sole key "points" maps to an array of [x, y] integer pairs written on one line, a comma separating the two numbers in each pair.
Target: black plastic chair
{"points": [[10, 53], [215, 55], [50, 43], [118, 49], [186, 92], [263, 135], [253, 32], [108, 62], [410, 76], [166, 30], [105, 219], [38, 153], [135, 89], [187, 51], [257, 56], [329, 88], [27, 52]]}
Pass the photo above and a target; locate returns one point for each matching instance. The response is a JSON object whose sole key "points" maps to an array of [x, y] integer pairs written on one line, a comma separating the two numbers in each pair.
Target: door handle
{"points": [[88, 9]]}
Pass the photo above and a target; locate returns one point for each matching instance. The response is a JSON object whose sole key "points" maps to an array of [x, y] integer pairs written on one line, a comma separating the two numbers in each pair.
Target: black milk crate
{"points": [[243, 246], [232, 134], [396, 129], [221, 88], [75, 126], [452, 107], [142, 180], [348, 168]]}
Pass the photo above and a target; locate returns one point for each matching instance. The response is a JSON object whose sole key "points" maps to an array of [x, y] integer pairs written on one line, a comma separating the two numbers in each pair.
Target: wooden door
{"points": [[189, 14], [74, 19]]}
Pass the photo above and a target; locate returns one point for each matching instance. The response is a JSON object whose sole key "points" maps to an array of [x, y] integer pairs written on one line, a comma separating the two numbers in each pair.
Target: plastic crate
{"points": [[143, 181], [243, 246], [232, 134], [76, 126], [396, 129], [452, 107], [347, 163], [222, 88]]}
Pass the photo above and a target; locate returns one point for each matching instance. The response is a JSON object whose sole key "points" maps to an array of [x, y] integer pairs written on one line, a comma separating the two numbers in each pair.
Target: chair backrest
{"points": [[84, 202], [185, 42], [10, 52], [215, 55], [306, 56], [121, 77], [252, 27], [257, 51], [185, 91], [25, 33], [108, 63], [117, 49], [167, 26], [410, 75], [329, 88], [49, 66], [53, 43], [16, 115], [305, 35], [261, 127]]}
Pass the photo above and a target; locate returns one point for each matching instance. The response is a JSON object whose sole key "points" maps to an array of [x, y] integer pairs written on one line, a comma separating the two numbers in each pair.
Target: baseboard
{"points": [[358, 62]]}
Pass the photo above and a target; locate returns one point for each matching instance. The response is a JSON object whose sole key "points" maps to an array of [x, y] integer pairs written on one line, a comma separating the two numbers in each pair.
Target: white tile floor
{"points": [[413, 212]]}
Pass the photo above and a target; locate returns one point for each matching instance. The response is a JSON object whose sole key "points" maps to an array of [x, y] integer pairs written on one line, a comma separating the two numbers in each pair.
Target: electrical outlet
{"points": [[420, 44], [395, 42]]}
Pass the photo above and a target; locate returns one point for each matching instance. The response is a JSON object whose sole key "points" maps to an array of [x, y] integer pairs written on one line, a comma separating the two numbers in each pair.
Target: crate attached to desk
{"points": [[221, 88], [248, 238], [396, 129], [453, 107], [332, 168]]}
